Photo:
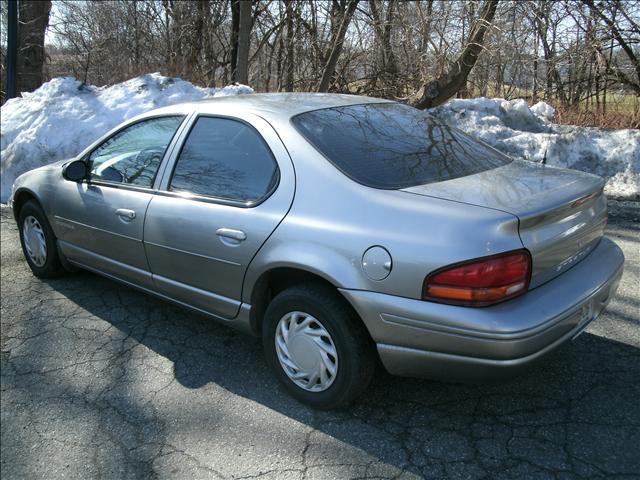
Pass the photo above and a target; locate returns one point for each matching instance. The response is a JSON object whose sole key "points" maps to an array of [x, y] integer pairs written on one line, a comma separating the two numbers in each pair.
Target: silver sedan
{"points": [[340, 229]]}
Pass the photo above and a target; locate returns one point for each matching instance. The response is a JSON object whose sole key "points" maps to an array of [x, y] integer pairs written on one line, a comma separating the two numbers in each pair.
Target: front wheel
{"points": [[38, 242], [317, 347]]}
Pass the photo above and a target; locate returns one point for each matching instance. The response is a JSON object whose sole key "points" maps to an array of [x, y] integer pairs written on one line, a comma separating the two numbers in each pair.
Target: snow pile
{"points": [[527, 132], [62, 117]]}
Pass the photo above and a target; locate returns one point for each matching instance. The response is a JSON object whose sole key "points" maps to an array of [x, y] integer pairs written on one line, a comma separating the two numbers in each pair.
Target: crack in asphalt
{"points": [[98, 380]]}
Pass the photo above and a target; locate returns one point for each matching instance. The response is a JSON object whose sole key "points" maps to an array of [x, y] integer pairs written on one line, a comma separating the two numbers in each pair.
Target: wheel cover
{"points": [[306, 351], [34, 241]]}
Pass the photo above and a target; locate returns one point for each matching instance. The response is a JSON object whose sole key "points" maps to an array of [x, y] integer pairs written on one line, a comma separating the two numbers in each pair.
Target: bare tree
{"points": [[341, 14], [446, 86], [289, 41], [625, 45]]}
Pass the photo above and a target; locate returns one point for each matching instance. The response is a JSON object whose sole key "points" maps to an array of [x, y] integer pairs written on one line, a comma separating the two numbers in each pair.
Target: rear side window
{"points": [[225, 159], [393, 146]]}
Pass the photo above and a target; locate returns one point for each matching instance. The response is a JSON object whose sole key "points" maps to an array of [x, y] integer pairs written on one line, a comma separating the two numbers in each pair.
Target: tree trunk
{"points": [[446, 86], [535, 69], [235, 27], [244, 30], [337, 41], [12, 50], [290, 53], [33, 18], [196, 39], [209, 61]]}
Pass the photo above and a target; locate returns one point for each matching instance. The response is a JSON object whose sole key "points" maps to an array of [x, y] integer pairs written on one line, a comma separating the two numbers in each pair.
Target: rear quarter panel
{"points": [[334, 220]]}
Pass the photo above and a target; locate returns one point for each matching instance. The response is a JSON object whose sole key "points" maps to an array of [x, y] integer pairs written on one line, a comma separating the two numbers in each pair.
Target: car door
{"points": [[231, 183], [99, 222]]}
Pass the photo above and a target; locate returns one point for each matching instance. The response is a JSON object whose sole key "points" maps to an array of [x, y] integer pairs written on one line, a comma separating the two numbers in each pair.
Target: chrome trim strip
{"points": [[198, 291], [73, 252], [215, 259], [149, 291], [204, 198], [120, 186], [426, 355], [59, 218]]}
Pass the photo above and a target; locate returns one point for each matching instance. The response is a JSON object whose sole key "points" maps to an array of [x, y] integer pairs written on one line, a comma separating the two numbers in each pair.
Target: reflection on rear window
{"points": [[391, 146]]}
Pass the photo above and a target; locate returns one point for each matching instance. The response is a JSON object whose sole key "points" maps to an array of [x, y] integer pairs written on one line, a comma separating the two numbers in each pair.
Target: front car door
{"points": [[99, 222], [231, 184]]}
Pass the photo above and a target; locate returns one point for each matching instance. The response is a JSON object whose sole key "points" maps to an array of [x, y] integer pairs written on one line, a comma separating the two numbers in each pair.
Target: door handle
{"points": [[126, 213], [237, 235]]}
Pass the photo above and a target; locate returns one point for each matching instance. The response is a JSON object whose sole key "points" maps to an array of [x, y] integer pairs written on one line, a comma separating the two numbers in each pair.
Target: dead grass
{"points": [[610, 119], [622, 109]]}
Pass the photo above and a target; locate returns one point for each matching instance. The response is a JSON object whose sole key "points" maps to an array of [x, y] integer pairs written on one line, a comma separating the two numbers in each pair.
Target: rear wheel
{"points": [[38, 242], [317, 347]]}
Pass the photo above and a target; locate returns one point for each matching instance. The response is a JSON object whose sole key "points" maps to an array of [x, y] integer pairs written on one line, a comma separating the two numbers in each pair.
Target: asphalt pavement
{"points": [[101, 381]]}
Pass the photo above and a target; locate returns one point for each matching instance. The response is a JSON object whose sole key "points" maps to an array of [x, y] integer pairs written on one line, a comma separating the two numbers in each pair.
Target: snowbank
{"points": [[527, 132], [62, 117]]}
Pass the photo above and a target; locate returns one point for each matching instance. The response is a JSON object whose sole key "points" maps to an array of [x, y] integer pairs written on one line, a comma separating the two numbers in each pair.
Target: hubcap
{"points": [[34, 241], [306, 351]]}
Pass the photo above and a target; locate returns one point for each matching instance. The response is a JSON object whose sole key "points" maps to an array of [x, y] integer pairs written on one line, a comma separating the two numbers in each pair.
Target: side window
{"points": [[133, 155], [225, 159]]}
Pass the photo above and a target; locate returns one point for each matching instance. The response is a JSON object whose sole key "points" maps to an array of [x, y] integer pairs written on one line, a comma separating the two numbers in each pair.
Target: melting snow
{"points": [[527, 132]]}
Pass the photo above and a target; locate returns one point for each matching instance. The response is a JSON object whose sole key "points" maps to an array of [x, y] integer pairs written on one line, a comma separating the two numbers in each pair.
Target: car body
{"points": [[372, 231]]}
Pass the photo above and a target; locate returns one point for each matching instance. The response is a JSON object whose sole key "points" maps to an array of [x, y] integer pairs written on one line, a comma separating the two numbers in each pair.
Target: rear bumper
{"points": [[424, 339]]}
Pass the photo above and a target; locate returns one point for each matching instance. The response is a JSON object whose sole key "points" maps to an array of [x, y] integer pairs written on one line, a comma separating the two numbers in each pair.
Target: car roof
{"points": [[281, 106]]}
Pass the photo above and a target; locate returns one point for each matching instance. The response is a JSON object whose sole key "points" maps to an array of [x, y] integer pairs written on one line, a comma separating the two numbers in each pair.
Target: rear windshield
{"points": [[392, 146]]}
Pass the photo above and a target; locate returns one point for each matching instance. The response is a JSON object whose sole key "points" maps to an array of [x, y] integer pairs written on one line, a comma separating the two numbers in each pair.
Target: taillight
{"points": [[480, 282]]}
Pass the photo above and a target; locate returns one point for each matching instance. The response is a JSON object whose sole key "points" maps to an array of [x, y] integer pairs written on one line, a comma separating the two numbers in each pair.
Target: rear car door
{"points": [[99, 222], [229, 187]]}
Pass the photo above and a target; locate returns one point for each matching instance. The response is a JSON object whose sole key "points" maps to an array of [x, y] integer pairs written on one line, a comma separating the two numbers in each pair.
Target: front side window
{"points": [[132, 156], [393, 146], [225, 159]]}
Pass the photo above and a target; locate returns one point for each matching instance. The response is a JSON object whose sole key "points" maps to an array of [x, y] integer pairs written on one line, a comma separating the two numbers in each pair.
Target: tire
{"points": [[355, 361], [51, 266]]}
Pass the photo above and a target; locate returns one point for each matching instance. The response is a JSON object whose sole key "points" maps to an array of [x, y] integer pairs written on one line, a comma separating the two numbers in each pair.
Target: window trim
{"points": [[210, 198], [167, 152]]}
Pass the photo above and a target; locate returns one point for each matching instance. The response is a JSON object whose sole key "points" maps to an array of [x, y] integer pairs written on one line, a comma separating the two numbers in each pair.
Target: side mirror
{"points": [[75, 171], [112, 175]]}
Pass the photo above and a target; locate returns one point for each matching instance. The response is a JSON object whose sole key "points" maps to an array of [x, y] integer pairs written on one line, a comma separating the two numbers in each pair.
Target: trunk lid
{"points": [[562, 213]]}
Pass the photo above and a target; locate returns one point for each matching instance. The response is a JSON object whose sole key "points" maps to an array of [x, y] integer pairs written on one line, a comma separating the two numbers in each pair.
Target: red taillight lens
{"points": [[480, 282]]}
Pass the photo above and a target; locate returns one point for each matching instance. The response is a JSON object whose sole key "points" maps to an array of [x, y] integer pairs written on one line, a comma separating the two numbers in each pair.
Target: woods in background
{"points": [[583, 56]]}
